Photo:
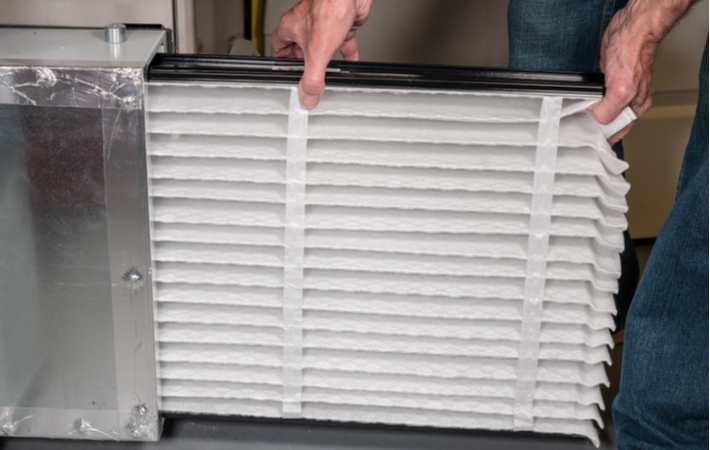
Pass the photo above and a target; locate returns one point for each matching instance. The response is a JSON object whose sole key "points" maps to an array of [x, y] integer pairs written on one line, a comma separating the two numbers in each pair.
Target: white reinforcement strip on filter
{"points": [[622, 120], [539, 238], [294, 239]]}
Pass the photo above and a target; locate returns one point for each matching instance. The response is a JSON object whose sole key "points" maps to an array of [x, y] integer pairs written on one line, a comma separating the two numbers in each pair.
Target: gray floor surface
{"points": [[186, 434]]}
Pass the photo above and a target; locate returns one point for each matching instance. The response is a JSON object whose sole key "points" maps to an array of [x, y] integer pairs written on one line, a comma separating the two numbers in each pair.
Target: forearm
{"points": [[653, 19]]}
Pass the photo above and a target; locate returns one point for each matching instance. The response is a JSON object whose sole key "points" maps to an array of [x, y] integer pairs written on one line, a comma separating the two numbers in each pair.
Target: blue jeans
{"points": [[566, 35], [663, 397]]}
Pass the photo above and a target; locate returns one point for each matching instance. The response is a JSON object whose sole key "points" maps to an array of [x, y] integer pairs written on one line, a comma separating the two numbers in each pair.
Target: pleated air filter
{"points": [[424, 257]]}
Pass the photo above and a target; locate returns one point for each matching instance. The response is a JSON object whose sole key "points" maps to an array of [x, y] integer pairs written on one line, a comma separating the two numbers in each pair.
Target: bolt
{"points": [[115, 33]]}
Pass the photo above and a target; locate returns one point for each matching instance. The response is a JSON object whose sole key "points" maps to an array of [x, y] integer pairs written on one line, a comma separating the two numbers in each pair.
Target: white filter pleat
{"points": [[217, 99], [384, 257], [428, 105], [187, 146], [435, 307]]}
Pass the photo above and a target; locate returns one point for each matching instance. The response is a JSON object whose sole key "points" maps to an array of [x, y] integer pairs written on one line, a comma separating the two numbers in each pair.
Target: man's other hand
{"points": [[628, 51]]}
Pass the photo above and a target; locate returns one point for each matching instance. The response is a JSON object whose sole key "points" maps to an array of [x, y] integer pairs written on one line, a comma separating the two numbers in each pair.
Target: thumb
{"points": [[610, 106], [603, 112]]}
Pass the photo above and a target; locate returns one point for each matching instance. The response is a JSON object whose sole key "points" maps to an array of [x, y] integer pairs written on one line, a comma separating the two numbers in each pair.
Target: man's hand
{"points": [[628, 51], [315, 30]]}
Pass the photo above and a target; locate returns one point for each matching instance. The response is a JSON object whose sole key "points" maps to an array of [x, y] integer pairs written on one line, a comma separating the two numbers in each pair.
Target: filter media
{"points": [[413, 257]]}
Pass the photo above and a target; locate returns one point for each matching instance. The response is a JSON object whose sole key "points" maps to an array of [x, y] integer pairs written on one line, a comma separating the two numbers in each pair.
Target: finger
{"points": [[312, 83], [620, 134], [281, 42], [291, 51], [298, 51], [281, 49], [349, 50], [642, 103], [324, 41]]}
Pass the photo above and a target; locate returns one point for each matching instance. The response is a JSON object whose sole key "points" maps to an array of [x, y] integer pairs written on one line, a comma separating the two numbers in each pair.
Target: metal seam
{"points": [[294, 241], [535, 274]]}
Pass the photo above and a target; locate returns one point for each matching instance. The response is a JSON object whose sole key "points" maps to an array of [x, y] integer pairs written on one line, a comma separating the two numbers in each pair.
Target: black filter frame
{"points": [[209, 68]]}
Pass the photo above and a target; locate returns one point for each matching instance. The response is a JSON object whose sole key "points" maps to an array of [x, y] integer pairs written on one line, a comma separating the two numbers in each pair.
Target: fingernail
{"points": [[309, 101]]}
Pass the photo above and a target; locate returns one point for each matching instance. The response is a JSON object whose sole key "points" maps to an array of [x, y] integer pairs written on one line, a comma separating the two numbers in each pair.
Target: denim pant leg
{"points": [[663, 397], [566, 35], [558, 34]]}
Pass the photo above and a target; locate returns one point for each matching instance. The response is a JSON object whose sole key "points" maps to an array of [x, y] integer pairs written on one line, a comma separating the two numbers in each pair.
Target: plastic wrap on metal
{"points": [[76, 331], [78, 88]]}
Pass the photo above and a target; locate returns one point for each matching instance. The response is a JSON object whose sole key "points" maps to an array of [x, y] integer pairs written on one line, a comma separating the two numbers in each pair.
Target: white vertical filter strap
{"points": [[538, 241], [294, 239]]}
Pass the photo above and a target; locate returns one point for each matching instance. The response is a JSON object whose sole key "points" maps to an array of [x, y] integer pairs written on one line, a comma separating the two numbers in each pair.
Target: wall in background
{"points": [[452, 32], [86, 13], [176, 15], [219, 23]]}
